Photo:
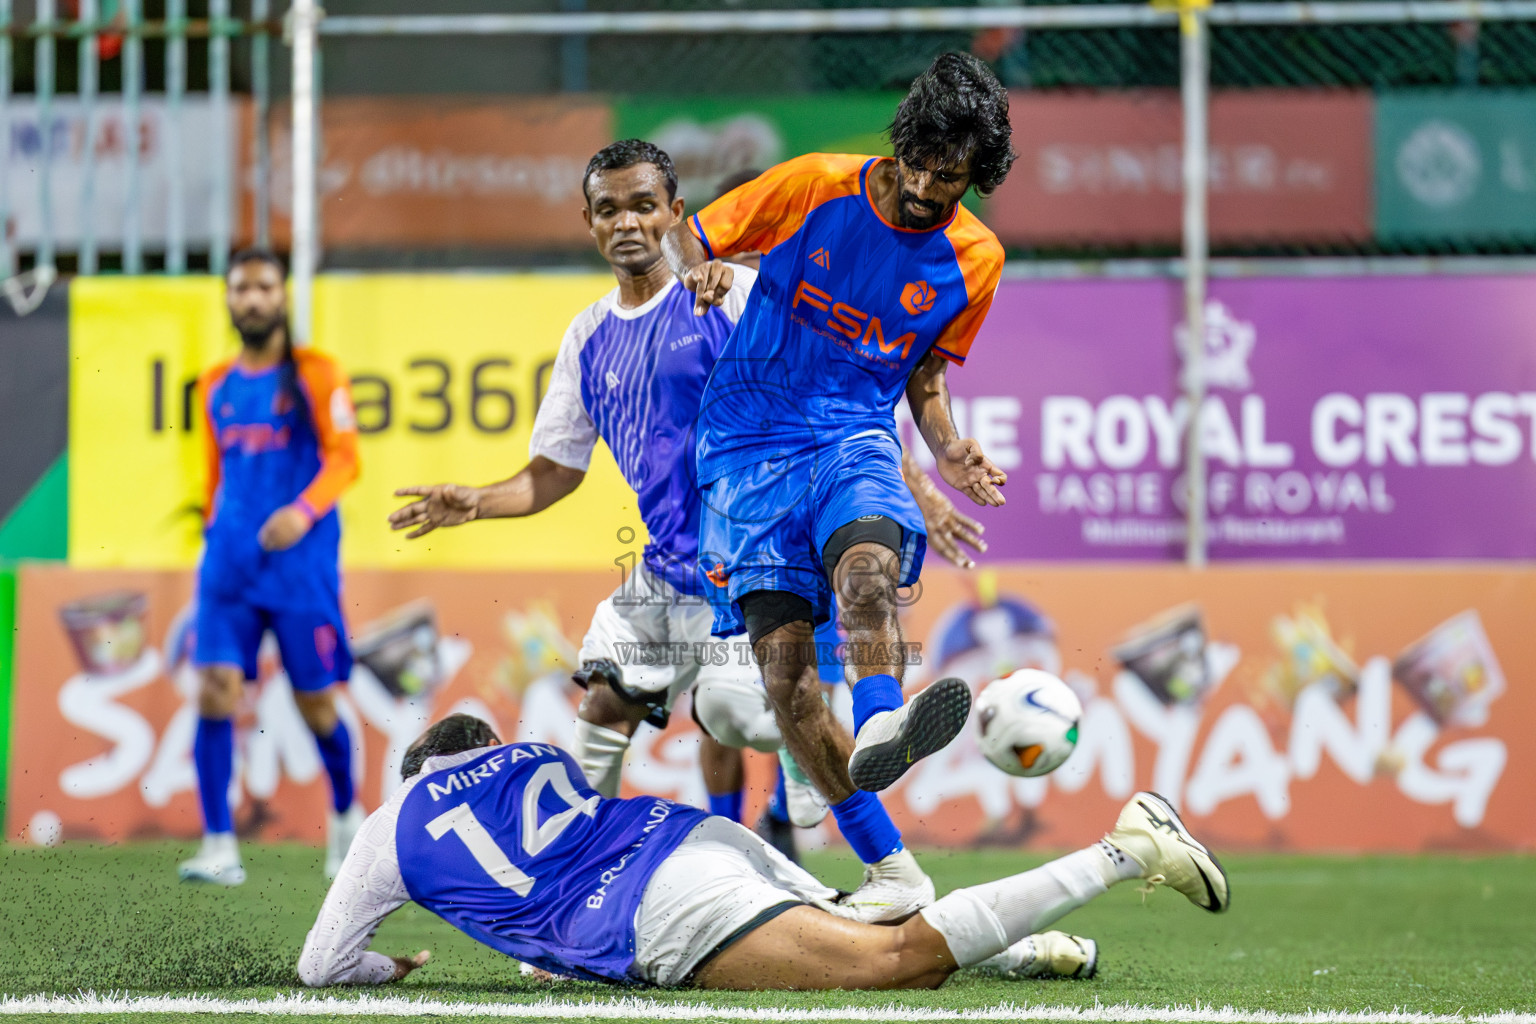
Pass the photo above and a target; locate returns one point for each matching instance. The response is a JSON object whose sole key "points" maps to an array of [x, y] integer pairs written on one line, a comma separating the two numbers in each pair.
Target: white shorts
{"points": [[662, 642], [718, 885]]}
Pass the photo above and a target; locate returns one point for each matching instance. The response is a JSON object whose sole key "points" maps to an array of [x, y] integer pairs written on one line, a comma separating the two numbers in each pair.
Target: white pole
{"points": [[1195, 91], [304, 24]]}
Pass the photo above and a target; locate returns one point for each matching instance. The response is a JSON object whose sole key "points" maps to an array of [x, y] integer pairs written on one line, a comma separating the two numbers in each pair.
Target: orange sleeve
{"points": [[330, 407], [213, 461], [770, 208], [980, 256]]}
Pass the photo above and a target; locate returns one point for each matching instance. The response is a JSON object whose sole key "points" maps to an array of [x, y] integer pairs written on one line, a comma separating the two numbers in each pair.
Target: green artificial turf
{"points": [[1440, 934]]}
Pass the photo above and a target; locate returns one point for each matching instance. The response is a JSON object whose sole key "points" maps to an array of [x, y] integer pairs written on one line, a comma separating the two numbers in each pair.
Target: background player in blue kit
{"points": [[873, 278], [512, 847], [631, 370], [281, 448]]}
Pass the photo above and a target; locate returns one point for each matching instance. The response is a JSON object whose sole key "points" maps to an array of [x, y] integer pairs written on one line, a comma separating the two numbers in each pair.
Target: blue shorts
{"points": [[312, 644], [764, 526]]}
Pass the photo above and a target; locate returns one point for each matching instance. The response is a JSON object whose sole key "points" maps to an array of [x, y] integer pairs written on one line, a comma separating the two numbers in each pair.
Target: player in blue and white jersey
{"points": [[509, 844], [873, 279]]}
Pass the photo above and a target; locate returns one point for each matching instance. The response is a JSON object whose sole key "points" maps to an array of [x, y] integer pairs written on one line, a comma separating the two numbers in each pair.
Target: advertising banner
{"points": [[1456, 164], [711, 138], [1362, 418], [69, 138], [447, 372], [1107, 167], [1295, 709], [439, 172]]}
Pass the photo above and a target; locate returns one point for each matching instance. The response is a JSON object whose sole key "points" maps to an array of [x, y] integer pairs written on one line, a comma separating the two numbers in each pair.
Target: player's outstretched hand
{"points": [[284, 528], [965, 468], [405, 965], [709, 281], [439, 505]]}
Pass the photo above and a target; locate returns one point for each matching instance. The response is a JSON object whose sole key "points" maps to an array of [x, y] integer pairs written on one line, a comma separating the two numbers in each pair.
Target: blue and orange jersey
{"points": [[283, 436], [845, 306]]}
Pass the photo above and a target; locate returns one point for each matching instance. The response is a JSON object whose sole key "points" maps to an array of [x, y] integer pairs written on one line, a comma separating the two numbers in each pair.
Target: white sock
{"points": [[1122, 865], [1012, 958], [600, 752], [983, 920], [222, 845]]}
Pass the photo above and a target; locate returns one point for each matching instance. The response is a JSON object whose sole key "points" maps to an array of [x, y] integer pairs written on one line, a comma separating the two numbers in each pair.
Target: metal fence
{"points": [[171, 68], [88, 88]]}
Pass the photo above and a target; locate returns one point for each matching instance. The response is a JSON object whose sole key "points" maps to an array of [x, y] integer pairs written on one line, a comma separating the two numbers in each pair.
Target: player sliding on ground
{"points": [[281, 445], [630, 370], [509, 845], [873, 279]]}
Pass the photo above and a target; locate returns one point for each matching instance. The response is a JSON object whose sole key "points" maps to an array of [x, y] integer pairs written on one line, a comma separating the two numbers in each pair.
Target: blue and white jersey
{"points": [[634, 377], [510, 846]]}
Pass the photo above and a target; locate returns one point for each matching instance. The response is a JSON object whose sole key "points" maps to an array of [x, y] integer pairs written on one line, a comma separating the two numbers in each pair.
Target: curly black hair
{"points": [[957, 108], [453, 735], [627, 153]]}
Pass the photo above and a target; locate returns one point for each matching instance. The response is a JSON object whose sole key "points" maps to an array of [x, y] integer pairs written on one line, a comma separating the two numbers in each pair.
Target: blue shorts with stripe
{"points": [[764, 525], [311, 643]]}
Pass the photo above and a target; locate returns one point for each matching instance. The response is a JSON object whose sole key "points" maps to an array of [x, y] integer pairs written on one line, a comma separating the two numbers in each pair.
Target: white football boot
{"points": [[1150, 832], [892, 741], [807, 807], [894, 888], [217, 862], [1047, 955], [340, 830]]}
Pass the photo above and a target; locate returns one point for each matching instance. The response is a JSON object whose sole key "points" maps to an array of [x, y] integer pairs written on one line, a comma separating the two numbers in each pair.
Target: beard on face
{"points": [[926, 219], [255, 328]]}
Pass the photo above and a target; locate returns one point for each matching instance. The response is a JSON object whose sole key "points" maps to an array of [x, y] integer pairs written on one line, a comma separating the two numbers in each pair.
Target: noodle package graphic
{"points": [[1452, 671], [400, 649], [1168, 654]]}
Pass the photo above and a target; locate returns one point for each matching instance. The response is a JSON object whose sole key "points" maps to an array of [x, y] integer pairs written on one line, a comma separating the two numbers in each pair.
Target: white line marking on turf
{"points": [[648, 1009]]}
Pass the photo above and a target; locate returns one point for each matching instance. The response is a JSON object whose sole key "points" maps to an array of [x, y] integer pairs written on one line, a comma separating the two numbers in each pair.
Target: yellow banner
{"points": [[446, 370]]}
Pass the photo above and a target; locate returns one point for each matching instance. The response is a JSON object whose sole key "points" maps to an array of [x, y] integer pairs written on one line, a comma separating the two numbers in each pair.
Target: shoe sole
{"points": [[934, 717], [1216, 905], [1091, 966], [227, 883]]}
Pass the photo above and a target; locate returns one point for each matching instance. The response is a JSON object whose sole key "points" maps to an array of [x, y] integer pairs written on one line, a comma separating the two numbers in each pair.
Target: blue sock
{"points": [[336, 754], [872, 695], [778, 804], [213, 754], [869, 830], [727, 805]]}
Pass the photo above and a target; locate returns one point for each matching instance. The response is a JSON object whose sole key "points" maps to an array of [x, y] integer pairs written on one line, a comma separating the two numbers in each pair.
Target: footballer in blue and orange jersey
{"points": [[281, 443], [873, 280]]}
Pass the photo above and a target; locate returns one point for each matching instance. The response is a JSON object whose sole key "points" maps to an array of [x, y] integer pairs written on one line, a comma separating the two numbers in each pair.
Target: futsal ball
{"points": [[1028, 722]]}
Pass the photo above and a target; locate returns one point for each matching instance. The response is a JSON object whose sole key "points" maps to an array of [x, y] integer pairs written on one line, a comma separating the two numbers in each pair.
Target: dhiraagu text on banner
{"points": [[447, 372]]}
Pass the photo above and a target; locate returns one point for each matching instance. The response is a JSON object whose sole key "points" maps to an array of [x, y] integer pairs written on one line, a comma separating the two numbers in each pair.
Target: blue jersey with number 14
{"points": [[516, 851]]}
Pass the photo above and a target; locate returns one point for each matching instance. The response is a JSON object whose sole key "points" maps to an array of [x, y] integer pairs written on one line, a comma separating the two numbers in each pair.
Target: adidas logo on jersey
{"points": [[612, 380], [821, 258]]}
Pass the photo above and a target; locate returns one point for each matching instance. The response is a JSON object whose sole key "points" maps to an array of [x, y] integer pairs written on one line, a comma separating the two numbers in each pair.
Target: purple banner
{"points": [[1374, 418]]}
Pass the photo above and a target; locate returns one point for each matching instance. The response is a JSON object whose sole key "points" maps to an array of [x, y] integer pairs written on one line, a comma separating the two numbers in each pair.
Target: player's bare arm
{"points": [[708, 279], [531, 490], [947, 527], [961, 462]]}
